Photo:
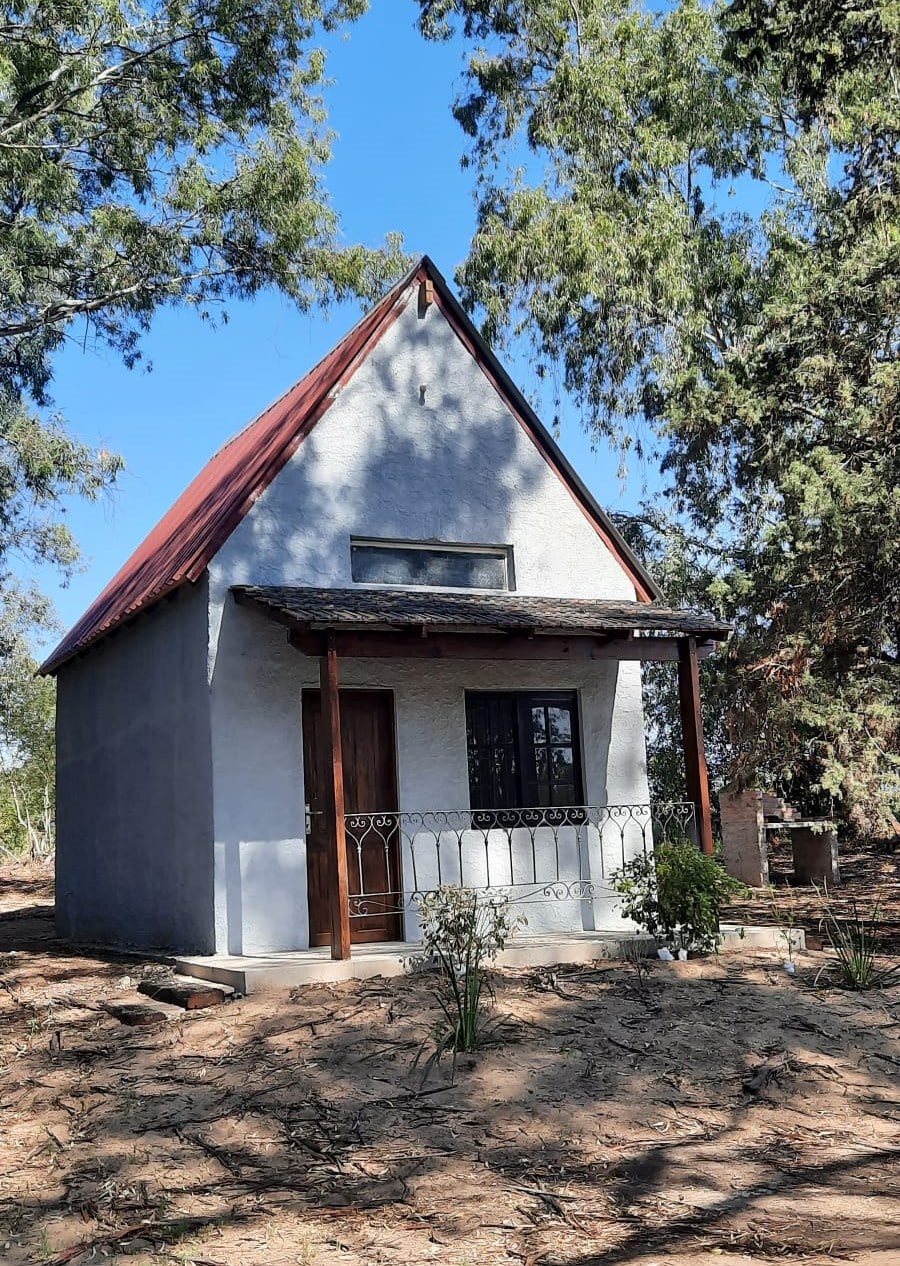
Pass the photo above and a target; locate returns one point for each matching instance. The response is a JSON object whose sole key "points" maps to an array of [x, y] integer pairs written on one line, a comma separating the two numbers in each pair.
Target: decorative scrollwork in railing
{"points": [[530, 854]]}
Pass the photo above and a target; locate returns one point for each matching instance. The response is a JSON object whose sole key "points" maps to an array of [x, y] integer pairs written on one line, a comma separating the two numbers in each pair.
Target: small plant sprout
{"points": [[636, 957], [462, 932], [855, 938], [786, 921]]}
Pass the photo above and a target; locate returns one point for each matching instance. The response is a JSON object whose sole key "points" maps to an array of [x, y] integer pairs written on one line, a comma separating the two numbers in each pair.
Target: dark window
{"points": [[440, 567], [523, 750]]}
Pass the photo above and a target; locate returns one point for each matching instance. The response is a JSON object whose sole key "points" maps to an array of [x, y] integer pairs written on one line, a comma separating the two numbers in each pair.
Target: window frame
{"points": [[525, 773], [493, 550]]}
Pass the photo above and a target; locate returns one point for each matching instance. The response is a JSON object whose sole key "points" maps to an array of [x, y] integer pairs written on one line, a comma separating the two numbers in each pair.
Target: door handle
{"points": [[310, 814]]}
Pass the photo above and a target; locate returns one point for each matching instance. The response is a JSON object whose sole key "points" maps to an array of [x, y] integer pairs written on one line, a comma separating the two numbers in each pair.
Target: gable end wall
{"points": [[388, 459], [418, 445]]}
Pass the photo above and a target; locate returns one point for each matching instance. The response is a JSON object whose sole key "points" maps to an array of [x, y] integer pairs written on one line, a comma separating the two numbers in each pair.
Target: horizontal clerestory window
{"points": [[435, 566]]}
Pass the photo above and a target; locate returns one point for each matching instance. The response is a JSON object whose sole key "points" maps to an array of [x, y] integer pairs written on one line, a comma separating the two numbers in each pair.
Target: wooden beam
{"points": [[490, 646], [331, 715], [692, 732]]}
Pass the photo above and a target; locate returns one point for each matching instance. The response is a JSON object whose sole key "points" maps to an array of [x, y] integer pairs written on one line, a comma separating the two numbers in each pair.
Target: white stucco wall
{"points": [[381, 463], [134, 784]]}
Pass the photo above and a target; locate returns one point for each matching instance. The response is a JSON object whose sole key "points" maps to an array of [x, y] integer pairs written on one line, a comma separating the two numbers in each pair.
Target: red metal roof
{"points": [[187, 538]]}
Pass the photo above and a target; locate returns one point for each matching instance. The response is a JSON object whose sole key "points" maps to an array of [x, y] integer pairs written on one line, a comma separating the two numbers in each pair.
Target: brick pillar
{"points": [[745, 848]]}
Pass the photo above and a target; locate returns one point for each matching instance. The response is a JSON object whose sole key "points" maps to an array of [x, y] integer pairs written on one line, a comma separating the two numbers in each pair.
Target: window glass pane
{"points": [[539, 724], [493, 753], [562, 764], [542, 775], [560, 725], [435, 568], [541, 764], [480, 788]]}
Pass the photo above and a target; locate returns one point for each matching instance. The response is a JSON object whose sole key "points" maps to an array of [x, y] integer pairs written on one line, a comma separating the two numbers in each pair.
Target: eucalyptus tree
{"points": [[692, 214], [150, 154], [162, 153]]}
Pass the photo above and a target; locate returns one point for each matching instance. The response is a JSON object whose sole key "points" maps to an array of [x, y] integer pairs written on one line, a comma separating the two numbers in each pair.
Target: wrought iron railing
{"points": [[528, 855]]}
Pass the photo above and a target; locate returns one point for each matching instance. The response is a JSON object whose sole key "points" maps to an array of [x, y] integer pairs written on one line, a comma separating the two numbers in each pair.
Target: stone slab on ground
{"points": [[191, 995], [139, 1014], [747, 936]]}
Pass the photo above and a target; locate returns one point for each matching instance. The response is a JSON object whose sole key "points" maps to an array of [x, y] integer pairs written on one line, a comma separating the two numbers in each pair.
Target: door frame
{"points": [[395, 858]]}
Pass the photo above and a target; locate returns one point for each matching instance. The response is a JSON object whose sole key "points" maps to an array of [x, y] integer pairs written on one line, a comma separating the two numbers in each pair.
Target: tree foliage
{"points": [[27, 716], [150, 154], [162, 153], [605, 140], [695, 212], [41, 464], [685, 567]]}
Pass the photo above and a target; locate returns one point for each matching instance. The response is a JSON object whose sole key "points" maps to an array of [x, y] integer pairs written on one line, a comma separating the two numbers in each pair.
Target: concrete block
{"points": [[736, 936]]}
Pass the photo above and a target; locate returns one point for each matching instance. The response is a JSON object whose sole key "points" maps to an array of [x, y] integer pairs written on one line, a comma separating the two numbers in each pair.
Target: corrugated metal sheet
{"points": [[181, 546]]}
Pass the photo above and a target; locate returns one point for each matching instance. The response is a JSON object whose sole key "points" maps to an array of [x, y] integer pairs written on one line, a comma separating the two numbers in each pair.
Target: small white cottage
{"points": [[385, 640]]}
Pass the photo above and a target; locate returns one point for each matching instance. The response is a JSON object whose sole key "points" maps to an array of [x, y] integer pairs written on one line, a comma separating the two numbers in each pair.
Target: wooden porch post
{"points": [[692, 733], [331, 715]]}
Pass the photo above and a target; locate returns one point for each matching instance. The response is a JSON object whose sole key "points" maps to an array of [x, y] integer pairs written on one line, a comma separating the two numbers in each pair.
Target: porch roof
{"points": [[374, 610]]}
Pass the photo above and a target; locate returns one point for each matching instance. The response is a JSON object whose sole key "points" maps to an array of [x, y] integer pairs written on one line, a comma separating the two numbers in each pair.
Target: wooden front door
{"points": [[370, 786]]}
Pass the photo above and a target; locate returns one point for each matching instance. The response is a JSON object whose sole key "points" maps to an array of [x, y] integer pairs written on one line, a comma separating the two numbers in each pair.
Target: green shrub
{"points": [[462, 932], [676, 894]]}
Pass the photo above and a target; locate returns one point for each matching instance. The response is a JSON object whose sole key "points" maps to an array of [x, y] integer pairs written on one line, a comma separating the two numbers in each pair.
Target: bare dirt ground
{"points": [[870, 878], [709, 1111]]}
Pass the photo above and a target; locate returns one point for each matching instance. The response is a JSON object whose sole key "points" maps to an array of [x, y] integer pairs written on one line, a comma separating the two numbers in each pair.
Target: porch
{"points": [[554, 864], [407, 682]]}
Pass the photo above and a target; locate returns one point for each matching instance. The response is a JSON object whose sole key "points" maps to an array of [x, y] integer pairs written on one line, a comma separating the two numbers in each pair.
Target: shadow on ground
{"points": [[623, 1116]]}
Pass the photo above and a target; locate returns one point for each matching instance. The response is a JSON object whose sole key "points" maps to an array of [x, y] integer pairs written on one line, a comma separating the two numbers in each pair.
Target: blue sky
{"points": [[396, 167]]}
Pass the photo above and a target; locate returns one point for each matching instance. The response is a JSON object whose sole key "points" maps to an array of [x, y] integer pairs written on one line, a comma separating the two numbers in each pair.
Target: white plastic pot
{"points": [[664, 954], [682, 956], [790, 967]]}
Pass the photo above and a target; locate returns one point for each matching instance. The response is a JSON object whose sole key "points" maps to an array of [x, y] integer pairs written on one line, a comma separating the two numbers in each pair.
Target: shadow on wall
{"points": [[423, 470]]}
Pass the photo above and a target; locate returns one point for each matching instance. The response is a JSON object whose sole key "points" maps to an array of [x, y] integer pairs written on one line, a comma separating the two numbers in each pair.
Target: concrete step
{"points": [[288, 969]]}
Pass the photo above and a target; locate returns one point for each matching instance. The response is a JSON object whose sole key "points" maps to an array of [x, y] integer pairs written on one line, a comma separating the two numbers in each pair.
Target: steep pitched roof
{"points": [[187, 538]]}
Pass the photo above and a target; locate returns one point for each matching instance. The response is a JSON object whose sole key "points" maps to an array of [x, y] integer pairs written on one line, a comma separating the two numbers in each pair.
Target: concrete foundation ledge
{"points": [[745, 935], [288, 968]]}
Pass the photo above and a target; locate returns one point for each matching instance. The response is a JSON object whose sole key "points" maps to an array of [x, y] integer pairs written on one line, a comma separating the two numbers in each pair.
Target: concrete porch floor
{"points": [[285, 969]]}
